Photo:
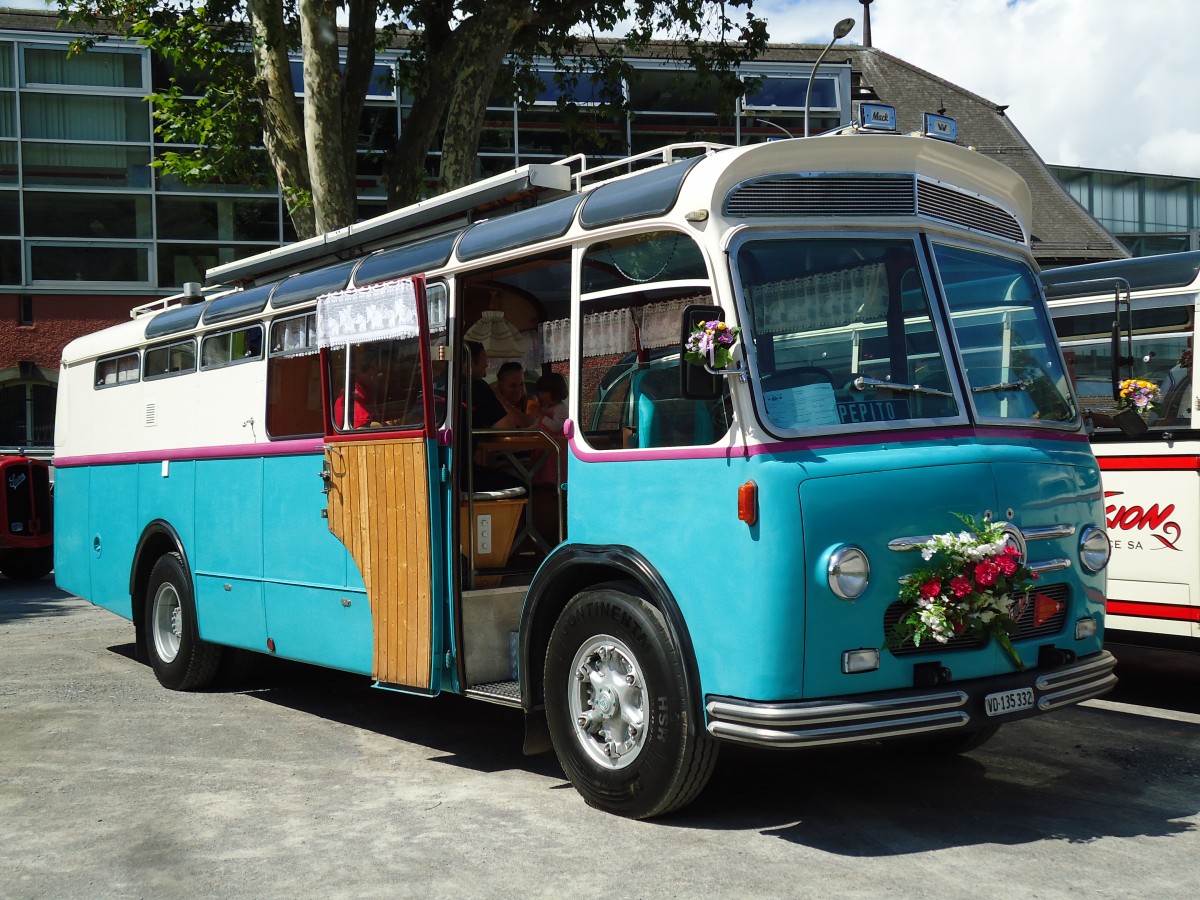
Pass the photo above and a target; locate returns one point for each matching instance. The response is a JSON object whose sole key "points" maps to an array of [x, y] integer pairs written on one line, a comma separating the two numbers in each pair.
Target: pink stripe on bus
{"points": [[228, 451], [857, 439]]}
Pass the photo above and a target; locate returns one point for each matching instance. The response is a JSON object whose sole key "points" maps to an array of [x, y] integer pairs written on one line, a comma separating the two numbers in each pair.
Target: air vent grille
{"points": [[824, 195], [936, 201], [869, 195]]}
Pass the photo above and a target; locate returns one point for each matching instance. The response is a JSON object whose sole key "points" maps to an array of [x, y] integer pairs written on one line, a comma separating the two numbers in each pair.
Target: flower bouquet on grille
{"points": [[711, 344], [1139, 395], [969, 587]]}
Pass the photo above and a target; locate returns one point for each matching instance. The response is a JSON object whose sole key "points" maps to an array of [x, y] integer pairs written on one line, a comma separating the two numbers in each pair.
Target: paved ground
{"points": [[294, 782]]}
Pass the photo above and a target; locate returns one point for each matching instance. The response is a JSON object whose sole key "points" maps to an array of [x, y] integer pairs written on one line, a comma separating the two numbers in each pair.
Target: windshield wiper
{"points": [[1021, 385], [862, 382]]}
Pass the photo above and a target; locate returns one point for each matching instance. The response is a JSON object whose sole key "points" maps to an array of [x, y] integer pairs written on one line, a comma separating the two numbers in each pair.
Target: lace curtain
{"points": [[827, 300], [383, 311]]}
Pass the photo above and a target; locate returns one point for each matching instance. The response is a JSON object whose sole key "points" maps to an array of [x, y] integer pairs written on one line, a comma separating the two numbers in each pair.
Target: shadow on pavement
{"points": [[31, 599], [868, 801]]}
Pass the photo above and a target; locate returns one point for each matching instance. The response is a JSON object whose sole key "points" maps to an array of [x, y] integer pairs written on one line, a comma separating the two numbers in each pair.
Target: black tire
{"points": [[630, 747], [28, 565], [181, 661]]}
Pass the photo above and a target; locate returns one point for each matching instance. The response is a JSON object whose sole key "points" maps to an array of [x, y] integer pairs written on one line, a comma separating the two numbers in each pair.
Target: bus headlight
{"points": [[1094, 548], [848, 572]]}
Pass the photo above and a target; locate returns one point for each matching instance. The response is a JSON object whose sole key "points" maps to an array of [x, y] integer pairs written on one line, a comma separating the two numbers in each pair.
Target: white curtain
{"points": [[607, 333], [827, 300], [556, 340], [373, 313]]}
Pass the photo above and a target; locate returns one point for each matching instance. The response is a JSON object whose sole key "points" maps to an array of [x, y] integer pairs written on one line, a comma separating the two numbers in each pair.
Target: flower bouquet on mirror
{"points": [[1139, 395], [711, 344], [970, 586]]}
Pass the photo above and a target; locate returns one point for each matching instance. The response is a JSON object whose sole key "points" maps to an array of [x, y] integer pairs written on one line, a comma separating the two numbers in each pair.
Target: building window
{"points": [[25, 311], [116, 263]]}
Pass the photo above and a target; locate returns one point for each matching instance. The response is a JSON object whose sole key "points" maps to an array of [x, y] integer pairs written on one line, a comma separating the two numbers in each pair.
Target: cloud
{"points": [[1095, 83]]}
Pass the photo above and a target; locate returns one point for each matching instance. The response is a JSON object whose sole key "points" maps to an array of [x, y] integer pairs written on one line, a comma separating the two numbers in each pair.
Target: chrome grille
{"points": [[936, 201], [824, 195], [1025, 627]]}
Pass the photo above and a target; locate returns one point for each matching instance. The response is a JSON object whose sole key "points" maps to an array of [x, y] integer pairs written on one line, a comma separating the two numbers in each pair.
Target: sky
{"points": [[1092, 83]]}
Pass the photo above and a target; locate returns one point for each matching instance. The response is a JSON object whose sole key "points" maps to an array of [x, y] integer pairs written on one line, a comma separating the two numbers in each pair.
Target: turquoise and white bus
{"points": [[703, 555]]}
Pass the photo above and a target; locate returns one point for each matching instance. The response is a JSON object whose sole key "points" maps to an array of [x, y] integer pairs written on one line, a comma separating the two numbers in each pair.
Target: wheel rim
{"points": [[607, 696], [166, 622]]}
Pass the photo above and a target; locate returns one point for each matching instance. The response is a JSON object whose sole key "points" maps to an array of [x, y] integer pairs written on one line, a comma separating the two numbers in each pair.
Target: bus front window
{"points": [[1004, 334], [841, 335]]}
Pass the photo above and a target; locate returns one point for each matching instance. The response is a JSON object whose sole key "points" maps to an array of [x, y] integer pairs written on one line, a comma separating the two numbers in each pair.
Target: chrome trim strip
{"points": [[1049, 565], [1047, 532], [1060, 678], [817, 723], [1077, 694], [914, 542], [821, 737], [801, 714]]}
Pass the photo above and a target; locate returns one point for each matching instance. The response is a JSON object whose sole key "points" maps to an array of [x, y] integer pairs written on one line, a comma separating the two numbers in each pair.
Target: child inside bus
{"points": [[551, 392]]}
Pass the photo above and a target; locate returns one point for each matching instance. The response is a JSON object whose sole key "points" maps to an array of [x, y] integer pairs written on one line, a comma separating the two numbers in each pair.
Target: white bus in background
{"points": [[1136, 318]]}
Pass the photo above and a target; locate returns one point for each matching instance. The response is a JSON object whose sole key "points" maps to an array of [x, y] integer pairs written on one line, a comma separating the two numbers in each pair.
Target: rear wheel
{"points": [[181, 661], [618, 707]]}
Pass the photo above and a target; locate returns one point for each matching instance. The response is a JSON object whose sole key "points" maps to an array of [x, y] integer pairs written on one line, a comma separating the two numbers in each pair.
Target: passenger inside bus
{"points": [[486, 412], [362, 415]]}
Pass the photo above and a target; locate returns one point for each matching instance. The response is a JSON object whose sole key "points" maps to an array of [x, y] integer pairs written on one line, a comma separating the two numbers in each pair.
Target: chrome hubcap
{"points": [[166, 622], [607, 700]]}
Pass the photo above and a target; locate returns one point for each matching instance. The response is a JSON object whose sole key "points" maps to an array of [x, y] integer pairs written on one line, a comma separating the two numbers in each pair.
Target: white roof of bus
{"points": [[107, 341], [867, 154]]}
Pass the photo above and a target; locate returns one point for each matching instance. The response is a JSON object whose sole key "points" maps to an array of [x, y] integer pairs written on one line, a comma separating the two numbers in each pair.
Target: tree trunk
{"points": [[283, 131], [332, 183], [487, 38]]}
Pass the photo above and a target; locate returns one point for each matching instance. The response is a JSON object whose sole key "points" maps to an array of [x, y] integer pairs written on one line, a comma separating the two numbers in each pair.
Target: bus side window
{"points": [[294, 378], [639, 393]]}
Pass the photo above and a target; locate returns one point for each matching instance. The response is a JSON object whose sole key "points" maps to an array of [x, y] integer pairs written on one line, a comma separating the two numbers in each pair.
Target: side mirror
{"points": [[694, 382], [1130, 423]]}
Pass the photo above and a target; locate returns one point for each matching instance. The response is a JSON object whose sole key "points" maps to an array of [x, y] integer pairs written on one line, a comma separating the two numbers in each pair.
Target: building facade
{"points": [[89, 229], [1148, 214]]}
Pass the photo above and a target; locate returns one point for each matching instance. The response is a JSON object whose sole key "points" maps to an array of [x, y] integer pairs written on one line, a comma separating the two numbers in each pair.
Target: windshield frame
{"points": [[937, 324], [1040, 308]]}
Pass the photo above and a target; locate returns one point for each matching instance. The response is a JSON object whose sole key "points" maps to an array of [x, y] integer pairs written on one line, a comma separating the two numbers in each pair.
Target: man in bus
{"points": [[486, 411]]}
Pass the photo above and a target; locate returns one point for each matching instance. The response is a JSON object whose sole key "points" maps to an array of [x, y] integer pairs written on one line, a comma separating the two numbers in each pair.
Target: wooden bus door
{"points": [[380, 463]]}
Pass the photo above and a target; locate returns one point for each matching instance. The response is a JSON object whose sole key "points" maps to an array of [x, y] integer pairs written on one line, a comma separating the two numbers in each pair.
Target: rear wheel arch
{"points": [[158, 539]]}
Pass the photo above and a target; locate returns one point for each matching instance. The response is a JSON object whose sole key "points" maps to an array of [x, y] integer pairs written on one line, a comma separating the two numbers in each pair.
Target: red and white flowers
{"points": [[970, 586]]}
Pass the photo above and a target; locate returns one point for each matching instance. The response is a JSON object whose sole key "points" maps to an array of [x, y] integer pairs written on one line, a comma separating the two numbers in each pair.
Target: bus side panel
{"points": [[114, 523], [298, 546], [314, 598], [1152, 520], [739, 587], [72, 539], [227, 552], [321, 626]]}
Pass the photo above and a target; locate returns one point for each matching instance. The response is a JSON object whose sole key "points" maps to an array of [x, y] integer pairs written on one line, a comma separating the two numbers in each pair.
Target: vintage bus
{"points": [[1136, 318], [298, 460]]}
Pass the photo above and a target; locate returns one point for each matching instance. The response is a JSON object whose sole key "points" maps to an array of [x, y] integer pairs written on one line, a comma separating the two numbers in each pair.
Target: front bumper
{"points": [[871, 717]]}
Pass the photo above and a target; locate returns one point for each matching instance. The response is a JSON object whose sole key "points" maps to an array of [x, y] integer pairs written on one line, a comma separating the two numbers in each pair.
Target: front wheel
{"points": [[617, 704], [181, 661]]}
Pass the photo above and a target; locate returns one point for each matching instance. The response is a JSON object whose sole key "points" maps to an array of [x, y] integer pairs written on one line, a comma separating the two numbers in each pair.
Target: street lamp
{"points": [[774, 125], [840, 30]]}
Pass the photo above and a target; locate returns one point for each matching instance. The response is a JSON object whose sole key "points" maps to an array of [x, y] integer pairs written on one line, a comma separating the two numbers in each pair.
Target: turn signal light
{"points": [[1045, 608], [748, 502]]}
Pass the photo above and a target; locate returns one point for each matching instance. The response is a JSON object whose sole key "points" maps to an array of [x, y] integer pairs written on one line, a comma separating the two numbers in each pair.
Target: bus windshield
{"points": [[841, 333], [1004, 336]]}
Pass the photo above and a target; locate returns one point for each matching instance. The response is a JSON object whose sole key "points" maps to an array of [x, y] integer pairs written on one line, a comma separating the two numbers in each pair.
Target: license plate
{"points": [[1006, 702]]}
